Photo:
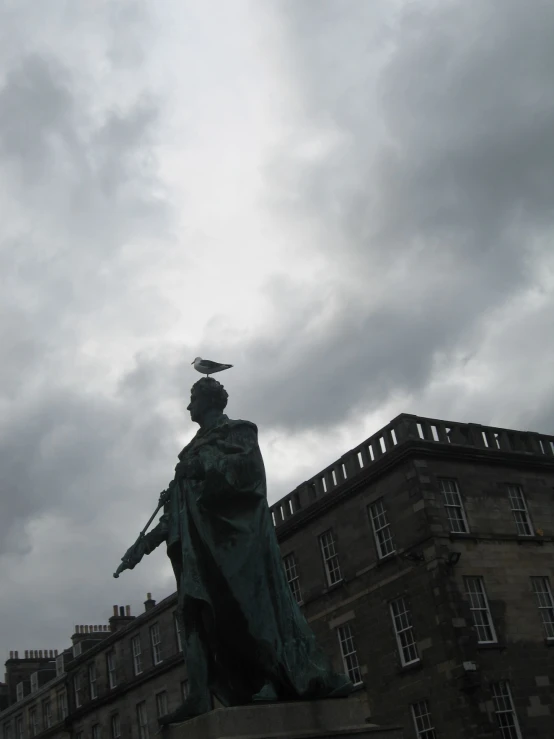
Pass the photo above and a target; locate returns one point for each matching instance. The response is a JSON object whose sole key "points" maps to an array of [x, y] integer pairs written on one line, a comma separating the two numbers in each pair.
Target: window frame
{"points": [[142, 716], [161, 697], [290, 564], [47, 714], [96, 731], [61, 704], [111, 665], [380, 531], [177, 627], [60, 667], [423, 732], [516, 495], [92, 680], [398, 630], [449, 507], [503, 712], [77, 689], [156, 646], [137, 655], [19, 728], [32, 717], [479, 609], [327, 540], [349, 654], [7, 732], [115, 725], [548, 623], [34, 682]]}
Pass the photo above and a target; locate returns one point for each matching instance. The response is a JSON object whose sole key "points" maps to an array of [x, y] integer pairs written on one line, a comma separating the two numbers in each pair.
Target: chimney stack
{"points": [[26, 654], [149, 603], [121, 618]]}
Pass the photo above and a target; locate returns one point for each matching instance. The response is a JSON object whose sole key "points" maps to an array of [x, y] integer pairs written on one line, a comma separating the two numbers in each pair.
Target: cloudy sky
{"points": [[352, 202]]}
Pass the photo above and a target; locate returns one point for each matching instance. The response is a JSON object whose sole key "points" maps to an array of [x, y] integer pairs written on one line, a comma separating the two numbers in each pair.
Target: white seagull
{"points": [[207, 367]]}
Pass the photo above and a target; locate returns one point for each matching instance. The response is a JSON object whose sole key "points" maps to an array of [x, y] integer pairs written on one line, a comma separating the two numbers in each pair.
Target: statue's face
{"points": [[198, 406]]}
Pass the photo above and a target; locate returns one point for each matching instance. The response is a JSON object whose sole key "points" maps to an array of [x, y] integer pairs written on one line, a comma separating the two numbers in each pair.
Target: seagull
{"points": [[207, 367]]}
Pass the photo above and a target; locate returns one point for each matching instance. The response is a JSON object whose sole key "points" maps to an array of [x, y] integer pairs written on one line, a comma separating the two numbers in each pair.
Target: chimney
{"points": [[11, 655], [16, 654], [26, 654], [121, 618], [149, 603]]}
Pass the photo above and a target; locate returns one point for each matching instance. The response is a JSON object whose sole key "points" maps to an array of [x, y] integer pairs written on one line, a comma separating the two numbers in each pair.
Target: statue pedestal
{"points": [[344, 718]]}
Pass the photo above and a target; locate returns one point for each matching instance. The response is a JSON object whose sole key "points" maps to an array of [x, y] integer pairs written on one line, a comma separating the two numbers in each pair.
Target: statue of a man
{"points": [[244, 636]]}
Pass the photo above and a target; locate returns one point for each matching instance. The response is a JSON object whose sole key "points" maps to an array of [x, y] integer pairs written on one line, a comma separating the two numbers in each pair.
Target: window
{"points": [[381, 528], [330, 557], [7, 732], [96, 731], [541, 588], [479, 606], [60, 669], [291, 571], [349, 656], [454, 507], [47, 713], [161, 703], [137, 655], [62, 705], [19, 727], [33, 721], [177, 631], [156, 641], [116, 726], [185, 689], [504, 709], [34, 682], [422, 720], [92, 681], [79, 735], [19, 691], [77, 687], [76, 649], [142, 720], [519, 510], [112, 674], [403, 629]]}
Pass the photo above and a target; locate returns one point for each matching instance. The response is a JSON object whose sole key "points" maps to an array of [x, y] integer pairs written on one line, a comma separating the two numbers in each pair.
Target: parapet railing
{"points": [[404, 428]]}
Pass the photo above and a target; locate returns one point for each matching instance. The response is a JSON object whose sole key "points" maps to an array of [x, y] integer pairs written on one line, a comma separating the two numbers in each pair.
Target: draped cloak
{"points": [[224, 551]]}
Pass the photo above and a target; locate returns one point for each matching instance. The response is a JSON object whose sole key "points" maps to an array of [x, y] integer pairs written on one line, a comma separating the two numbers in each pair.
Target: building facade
{"points": [[423, 560]]}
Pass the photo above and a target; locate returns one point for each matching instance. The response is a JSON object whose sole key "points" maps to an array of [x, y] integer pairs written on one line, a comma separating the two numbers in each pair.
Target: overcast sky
{"points": [[352, 202]]}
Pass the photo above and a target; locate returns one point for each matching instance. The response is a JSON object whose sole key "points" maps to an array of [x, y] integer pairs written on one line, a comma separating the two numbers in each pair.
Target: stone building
{"points": [[423, 560], [427, 553]]}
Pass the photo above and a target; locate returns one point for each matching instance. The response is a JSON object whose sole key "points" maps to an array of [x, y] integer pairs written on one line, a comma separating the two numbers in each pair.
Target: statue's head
{"points": [[207, 395]]}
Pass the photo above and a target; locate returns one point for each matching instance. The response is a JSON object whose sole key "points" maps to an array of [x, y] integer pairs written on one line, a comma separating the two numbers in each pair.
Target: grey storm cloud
{"points": [[427, 196], [437, 200]]}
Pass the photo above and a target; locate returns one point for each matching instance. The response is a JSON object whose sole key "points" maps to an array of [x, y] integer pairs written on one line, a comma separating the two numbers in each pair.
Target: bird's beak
{"points": [[192, 362]]}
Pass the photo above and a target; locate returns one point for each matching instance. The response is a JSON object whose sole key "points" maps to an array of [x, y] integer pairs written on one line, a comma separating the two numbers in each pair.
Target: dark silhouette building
{"points": [[423, 560]]}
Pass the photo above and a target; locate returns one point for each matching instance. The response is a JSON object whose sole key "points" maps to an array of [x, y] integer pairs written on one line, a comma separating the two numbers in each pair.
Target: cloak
{"points": [[231, 583]]}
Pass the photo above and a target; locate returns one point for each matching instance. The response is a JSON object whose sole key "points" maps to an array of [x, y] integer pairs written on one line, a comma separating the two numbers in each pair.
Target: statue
{"points": [[244, 637]]}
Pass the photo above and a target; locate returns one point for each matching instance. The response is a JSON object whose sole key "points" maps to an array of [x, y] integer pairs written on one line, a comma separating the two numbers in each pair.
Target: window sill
{"points": [[334, 586], [491, 645], [412, 666], [386, 558]]}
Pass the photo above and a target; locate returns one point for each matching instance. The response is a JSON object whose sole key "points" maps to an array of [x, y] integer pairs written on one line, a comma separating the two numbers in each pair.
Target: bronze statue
{"points": [[244, 636]]}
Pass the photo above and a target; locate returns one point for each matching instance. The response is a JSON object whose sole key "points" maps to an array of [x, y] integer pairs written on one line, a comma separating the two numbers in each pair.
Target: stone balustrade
{"points": [[403, 429]]}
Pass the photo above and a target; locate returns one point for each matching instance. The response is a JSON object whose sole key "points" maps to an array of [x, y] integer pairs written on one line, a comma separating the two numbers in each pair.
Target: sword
{"points": [[164, 496]]}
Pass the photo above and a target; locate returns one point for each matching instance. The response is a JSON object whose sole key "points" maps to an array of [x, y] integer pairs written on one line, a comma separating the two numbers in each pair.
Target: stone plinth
{"points": [[340, 719]]}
